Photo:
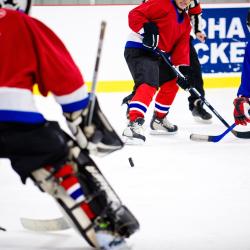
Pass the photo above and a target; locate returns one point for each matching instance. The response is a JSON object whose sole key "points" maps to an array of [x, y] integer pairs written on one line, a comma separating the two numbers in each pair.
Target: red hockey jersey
{"points": [[31, 53], [174, 28]]}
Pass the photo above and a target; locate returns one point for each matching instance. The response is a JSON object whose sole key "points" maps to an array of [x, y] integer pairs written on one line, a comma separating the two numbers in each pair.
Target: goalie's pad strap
{"points": [[82, 225]]}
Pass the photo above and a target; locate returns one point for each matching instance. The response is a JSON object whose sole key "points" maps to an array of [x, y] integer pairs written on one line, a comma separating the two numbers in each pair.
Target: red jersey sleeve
{"points": [[146, 12]]}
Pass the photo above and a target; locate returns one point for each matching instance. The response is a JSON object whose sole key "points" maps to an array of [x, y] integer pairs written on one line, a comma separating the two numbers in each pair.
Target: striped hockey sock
{"points": [[70, 183]]}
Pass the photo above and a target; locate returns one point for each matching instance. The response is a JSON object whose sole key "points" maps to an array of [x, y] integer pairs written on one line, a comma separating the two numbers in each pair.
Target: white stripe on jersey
{"points": [[78, 95], [135, 37], [17, 99]]}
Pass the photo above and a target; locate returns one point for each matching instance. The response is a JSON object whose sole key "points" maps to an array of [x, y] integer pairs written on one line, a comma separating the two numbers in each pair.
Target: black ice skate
{"points": [[162, 126], [200, 114], [134, 132]]}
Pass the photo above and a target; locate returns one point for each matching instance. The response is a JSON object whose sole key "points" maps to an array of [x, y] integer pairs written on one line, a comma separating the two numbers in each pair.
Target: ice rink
{"points": [[186, 195]]}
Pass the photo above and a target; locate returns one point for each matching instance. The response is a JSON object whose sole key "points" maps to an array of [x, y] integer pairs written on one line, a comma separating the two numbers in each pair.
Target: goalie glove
{"points": [[241, 110], [74, 121], [99, 137]]}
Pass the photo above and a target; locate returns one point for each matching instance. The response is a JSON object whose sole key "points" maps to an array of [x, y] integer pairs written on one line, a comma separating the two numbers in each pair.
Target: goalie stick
{"points": [[94, 80], [239, 134], [42, 225]]}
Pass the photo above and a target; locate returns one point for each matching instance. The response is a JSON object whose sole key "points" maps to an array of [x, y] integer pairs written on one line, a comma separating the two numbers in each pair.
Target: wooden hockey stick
{"points": [[239, 134], [41, 225], [92, 96]]}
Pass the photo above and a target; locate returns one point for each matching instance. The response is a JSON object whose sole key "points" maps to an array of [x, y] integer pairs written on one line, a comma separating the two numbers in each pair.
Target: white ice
{"points": [[186, 195]]}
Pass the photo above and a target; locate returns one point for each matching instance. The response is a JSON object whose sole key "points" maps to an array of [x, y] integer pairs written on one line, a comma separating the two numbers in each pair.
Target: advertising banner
{"points": [[227, 35]]}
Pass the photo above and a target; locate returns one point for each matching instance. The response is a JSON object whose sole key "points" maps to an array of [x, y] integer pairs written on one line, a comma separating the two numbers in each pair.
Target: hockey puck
{"points": [[131, 162], [3, 229]]}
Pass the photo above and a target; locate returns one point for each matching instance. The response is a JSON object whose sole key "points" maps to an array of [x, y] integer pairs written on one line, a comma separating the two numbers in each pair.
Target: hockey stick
{"points": [[212, 138], [38, 225], [92, 96], [239, 134]]}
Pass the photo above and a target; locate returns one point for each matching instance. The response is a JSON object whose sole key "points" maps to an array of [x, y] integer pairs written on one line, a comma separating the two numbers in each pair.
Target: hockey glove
{"points": [[183, 82], [241, 110], [151, 36], [99, 137]]}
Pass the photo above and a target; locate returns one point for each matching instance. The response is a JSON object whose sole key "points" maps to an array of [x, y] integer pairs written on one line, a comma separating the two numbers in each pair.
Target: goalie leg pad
{"points": [[87, 199], [103, 200], [72, 210]]}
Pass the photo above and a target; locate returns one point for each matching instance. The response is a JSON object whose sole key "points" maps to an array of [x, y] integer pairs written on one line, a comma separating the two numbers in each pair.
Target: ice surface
{"points": [[186, 195]]}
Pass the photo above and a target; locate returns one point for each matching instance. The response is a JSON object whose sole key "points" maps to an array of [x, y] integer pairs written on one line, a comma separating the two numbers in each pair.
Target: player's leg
{"points": [[144, 69], [160, 123], [196, 81]]}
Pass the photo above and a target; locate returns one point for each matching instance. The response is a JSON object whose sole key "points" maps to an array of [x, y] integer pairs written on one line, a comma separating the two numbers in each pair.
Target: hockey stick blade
{"points": [[211, 138], [38, 225]]}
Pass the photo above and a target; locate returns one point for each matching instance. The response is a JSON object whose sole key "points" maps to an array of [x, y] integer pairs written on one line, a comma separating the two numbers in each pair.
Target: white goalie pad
{"points": [[74, 215], [21, 5]]}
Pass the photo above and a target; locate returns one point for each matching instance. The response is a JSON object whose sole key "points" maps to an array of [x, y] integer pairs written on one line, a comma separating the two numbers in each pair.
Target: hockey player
{"points": [[39, 149], [195, 80], [161, 24], [242, 102]]}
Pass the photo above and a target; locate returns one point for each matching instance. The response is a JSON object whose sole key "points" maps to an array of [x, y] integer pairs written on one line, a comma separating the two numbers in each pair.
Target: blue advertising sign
{"points": [[227, 35]]}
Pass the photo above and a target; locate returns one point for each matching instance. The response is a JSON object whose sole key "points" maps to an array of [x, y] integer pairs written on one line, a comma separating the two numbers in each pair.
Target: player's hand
{"points": [[183, 82], [151, 36], [201, 37], [241, 110]]}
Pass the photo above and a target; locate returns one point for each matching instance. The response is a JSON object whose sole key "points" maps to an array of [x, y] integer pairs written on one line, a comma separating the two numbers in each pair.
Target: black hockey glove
{"points": [[183, 82], [151, 36], [99, 137]]}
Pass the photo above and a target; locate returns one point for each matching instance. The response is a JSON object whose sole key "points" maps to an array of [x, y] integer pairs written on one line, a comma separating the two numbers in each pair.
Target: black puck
{"points": [[3, 229], [131, 162]]}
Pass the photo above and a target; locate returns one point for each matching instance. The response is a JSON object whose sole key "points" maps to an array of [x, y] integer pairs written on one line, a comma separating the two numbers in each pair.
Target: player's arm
{"points": [[142, 20], [195, 13], [242, 102]]}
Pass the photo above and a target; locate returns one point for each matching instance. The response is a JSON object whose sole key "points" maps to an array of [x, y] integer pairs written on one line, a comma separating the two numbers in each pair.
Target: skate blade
{"points": [[133, 141], [162, 132]]}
